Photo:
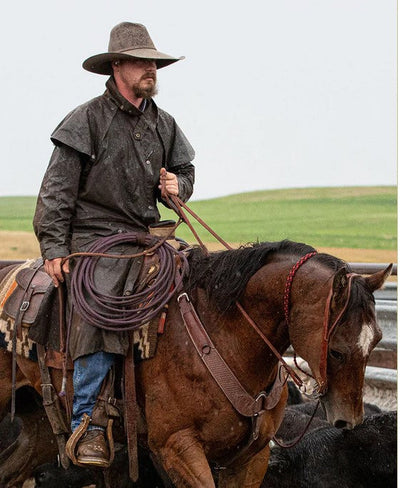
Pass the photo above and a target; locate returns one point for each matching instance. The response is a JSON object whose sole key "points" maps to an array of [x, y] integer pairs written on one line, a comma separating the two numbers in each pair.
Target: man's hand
{"points": [[170, 183], [55, 271]]}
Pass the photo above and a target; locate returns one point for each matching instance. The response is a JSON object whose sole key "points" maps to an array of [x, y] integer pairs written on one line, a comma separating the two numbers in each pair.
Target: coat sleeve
{"points": [[180, 163], [56, 202], [180, 155]]}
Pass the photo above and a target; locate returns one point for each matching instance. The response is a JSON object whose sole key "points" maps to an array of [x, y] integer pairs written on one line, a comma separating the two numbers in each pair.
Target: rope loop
{"points": [[121, 313]]}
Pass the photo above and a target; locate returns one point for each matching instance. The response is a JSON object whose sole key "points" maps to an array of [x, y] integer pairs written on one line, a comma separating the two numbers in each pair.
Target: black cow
{"points": [[25, 443], [51, 475], [364, 457], [295, 422], [309, 406]]}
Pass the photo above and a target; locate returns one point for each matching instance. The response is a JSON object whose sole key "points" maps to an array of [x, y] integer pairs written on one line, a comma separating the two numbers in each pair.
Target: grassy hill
{"points": [[357, 217]]}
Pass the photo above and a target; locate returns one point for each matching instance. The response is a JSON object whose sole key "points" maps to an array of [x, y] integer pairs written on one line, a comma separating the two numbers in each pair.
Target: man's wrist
{"points": [[55, 253]]}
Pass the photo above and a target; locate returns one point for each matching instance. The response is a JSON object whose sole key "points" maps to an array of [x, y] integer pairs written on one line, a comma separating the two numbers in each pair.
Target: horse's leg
{"points": [[249, 475], [185, 462], [5, 380], [29, 370], [27, 374]]}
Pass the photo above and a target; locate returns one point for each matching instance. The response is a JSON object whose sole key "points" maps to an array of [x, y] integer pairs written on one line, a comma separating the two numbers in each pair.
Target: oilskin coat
{"points": [[103, 179]]}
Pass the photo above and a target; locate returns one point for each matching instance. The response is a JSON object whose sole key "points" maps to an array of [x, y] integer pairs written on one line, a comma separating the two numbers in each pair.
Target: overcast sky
{"points": [[272, 94]]}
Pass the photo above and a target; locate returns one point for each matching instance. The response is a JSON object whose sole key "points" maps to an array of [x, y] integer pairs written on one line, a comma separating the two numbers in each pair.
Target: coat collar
{"points": [[121, 102]]}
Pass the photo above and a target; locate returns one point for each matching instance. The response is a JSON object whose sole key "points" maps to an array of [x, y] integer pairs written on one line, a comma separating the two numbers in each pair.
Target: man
{"points": [[104, 178]]}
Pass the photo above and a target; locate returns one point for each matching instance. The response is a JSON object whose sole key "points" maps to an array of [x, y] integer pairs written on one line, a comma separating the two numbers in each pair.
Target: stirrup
{"points": [[79, 432]]}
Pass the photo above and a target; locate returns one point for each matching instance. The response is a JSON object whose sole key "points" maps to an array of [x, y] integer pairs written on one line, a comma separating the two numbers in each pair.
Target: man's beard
{"points": [[147, 91]]}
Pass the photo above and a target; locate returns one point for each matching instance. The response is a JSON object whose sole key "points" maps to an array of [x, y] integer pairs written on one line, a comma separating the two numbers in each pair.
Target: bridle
{"points": [[322, 381]]}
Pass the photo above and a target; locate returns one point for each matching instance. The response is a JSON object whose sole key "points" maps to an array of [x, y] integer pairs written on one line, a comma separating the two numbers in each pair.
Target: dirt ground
{"points": [[23, 245]]}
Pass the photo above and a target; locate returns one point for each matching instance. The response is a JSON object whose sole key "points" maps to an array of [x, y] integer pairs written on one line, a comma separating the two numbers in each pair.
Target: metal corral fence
{"points": [[381, 373], [385, 306]]}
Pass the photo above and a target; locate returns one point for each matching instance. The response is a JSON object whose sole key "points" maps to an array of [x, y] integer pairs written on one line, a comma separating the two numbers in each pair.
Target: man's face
{"points": [[139, 76]]}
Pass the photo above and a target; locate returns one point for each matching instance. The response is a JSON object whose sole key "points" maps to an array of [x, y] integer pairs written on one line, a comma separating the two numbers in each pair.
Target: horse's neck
{"points": [[240, 345]]}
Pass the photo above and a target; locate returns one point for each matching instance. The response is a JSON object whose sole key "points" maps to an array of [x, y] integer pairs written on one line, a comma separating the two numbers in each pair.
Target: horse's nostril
{"points": [[342, 424]]}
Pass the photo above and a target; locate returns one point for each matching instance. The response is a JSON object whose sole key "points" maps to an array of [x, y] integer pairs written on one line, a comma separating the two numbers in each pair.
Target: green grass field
{"points": [[355, 217]]}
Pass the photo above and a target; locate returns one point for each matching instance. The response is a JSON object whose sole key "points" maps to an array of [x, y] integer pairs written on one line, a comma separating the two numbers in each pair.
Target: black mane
{"points": [[224, 275]]}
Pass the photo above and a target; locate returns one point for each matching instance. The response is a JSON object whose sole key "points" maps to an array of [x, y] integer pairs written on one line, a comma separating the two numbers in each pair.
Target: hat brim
{"points": [[101, 63]]}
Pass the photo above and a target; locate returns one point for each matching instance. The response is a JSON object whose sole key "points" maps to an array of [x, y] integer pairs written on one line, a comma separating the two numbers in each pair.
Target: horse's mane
{"points": [[224, 275]]}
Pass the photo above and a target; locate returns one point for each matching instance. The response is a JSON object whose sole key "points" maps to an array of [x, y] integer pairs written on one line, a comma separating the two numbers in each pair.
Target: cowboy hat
{"points": [[127, 41]]}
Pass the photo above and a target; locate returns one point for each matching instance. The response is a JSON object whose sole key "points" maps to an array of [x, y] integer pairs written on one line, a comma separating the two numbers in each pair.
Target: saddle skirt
{"points": [[13, 294], [27, 292]]}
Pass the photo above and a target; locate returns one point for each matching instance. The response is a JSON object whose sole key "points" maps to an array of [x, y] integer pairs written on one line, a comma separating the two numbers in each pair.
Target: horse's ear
{"points": [[339, 285], [376, 280]]}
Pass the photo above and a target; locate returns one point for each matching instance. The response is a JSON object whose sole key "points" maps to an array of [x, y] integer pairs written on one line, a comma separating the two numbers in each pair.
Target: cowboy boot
{"points": [[92, 449]]}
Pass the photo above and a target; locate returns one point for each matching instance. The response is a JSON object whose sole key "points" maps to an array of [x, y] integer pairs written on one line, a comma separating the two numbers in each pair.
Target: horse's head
{"points": [[330, 312], [338, 354]]}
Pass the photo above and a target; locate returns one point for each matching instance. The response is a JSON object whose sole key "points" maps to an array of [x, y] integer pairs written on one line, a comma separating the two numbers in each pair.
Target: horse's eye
{"points": [[336, 355]]}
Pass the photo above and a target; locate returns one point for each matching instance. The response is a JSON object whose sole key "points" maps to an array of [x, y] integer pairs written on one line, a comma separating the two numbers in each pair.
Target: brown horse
{"points": [[191, 426]]}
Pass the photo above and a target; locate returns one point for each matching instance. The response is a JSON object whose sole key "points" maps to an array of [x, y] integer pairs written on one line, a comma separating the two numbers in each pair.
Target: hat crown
{"points": [[127, 36], [128, 41]]}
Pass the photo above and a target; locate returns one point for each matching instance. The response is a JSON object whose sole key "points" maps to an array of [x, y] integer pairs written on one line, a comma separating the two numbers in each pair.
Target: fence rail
{"points": [[369, 268]]}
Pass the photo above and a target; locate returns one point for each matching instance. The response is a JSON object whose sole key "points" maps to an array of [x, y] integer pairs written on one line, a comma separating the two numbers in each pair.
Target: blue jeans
{"points": [[89, 373]]}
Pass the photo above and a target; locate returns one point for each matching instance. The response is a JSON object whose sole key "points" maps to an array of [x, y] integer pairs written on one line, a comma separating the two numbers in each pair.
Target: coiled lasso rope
{"points": [[120, 313]]}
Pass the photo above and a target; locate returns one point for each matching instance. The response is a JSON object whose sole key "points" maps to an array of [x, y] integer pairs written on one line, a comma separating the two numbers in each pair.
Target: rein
{"points": [[177, 205]]}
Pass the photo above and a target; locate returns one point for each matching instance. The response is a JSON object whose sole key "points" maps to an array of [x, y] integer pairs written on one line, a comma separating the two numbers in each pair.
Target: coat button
{"points": [[138, 135], [127, 293], [147, 161]]}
